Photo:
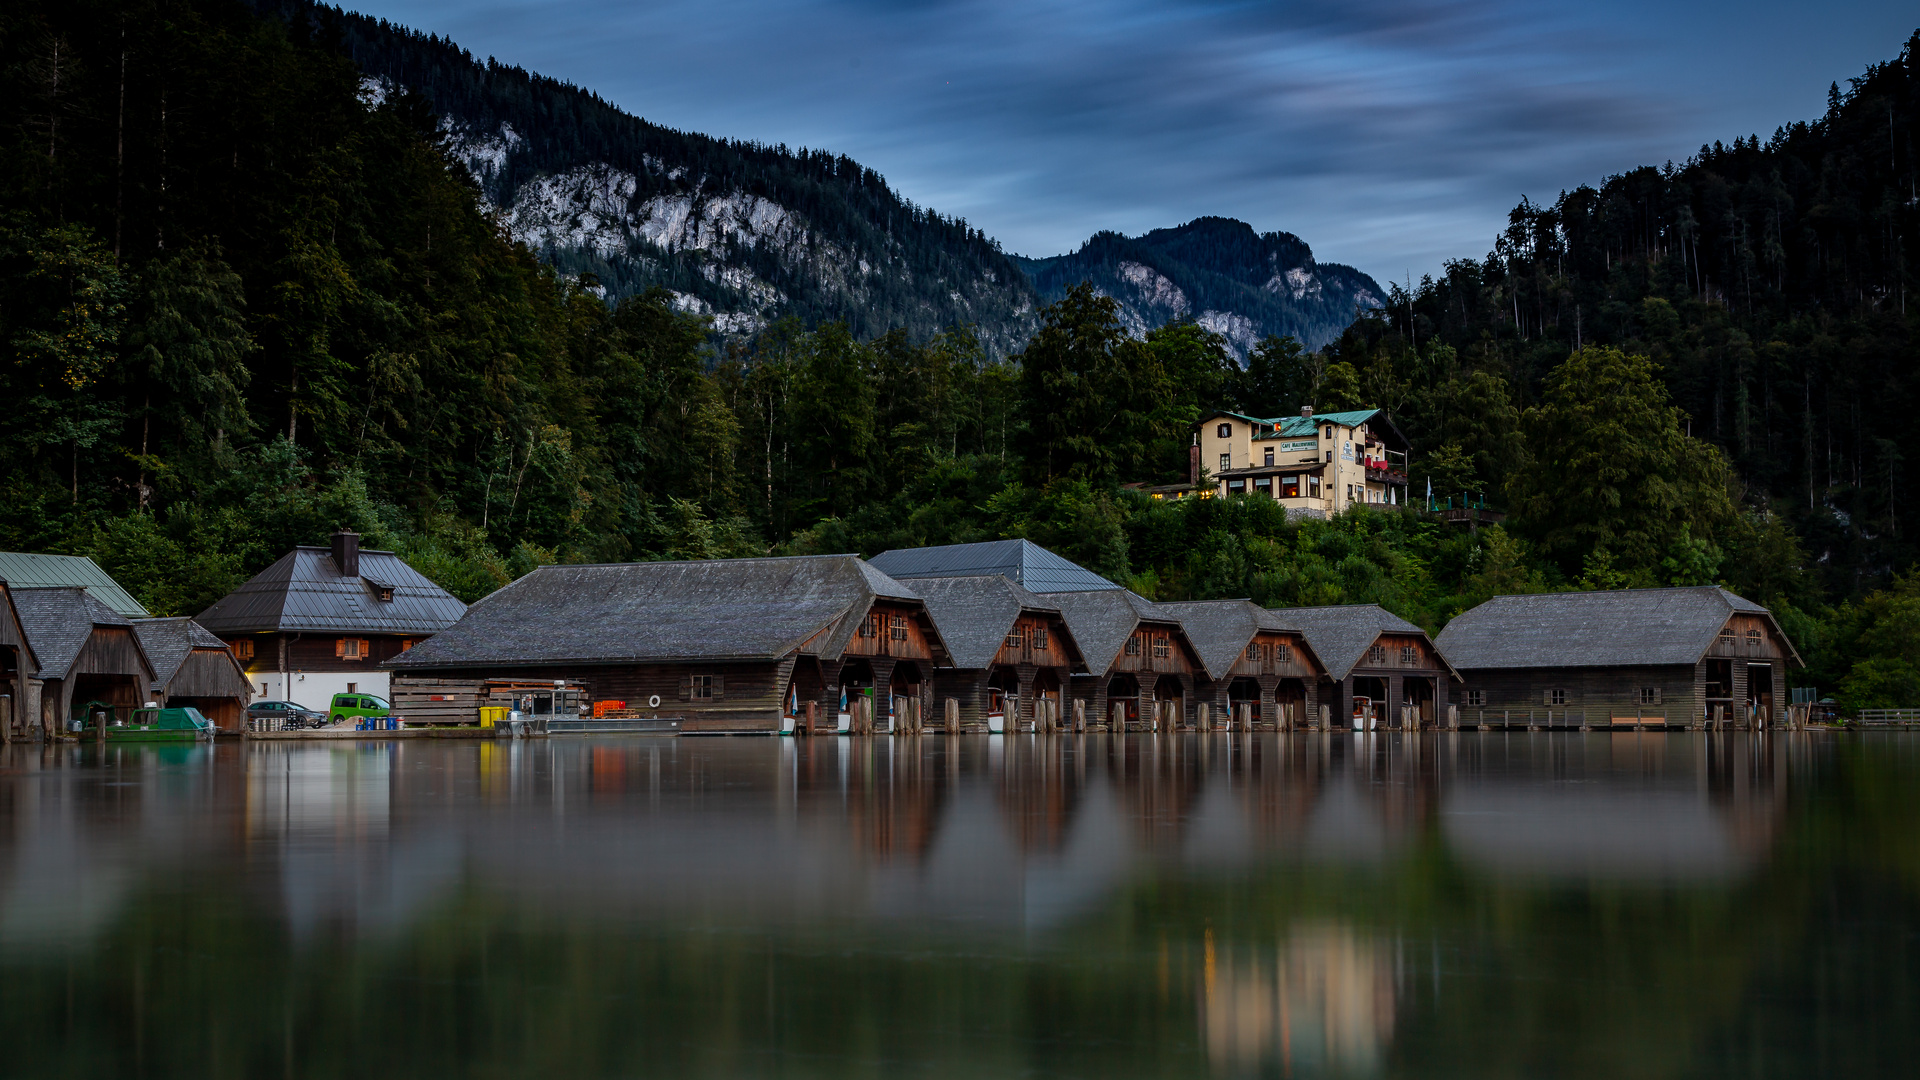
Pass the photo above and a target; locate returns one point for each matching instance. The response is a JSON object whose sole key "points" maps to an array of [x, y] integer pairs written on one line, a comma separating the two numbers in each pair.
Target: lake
{"points": [[1525, 905]]}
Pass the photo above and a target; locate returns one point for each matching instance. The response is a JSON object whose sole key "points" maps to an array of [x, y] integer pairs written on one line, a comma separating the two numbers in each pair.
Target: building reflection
{"points": [[1025, 832], [1323, 1000]]}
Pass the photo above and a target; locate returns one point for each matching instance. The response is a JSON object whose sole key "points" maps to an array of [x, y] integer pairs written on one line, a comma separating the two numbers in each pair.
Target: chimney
{"points": [[346, 553], [1193, 462], [1306, 412]]}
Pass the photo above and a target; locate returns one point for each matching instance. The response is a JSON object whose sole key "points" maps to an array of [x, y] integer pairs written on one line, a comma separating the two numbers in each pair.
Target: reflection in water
{"points": [[976, 905], [1325, 1001]]}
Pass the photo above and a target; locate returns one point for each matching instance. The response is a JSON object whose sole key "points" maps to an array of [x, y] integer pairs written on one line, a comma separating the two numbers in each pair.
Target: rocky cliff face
{"points": [[1219, 273]]}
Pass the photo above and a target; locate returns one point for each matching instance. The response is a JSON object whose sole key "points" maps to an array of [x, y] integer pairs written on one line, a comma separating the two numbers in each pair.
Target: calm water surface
{"points": [[1223, 905]]}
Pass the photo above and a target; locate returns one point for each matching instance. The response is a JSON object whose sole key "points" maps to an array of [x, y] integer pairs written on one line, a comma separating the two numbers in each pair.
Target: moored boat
{"points": [[163, 725]]}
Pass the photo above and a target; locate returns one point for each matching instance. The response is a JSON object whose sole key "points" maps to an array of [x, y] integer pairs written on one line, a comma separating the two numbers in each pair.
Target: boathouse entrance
{"points": [[1123, 702]]}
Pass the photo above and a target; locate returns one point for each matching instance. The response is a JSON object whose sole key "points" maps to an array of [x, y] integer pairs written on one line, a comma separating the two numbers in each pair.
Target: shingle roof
{"points": [[1339, 634], [305, 591], [1023, 561], [1627, 627], [1218, 629], [1101, 621], [718, 609], [974, 615], [32, 570], [58, 621], [168, 643]]}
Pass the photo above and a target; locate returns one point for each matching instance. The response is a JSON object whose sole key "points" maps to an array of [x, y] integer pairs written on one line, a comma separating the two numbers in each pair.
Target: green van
{"points": [[356, 706]]}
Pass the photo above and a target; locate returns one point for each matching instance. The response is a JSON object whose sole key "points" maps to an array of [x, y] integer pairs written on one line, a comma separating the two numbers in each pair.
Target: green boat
{"points": [[163, 725]]}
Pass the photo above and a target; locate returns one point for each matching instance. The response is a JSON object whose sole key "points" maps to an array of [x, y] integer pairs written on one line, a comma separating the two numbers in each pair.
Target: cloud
{"points": [[1392, 134]]}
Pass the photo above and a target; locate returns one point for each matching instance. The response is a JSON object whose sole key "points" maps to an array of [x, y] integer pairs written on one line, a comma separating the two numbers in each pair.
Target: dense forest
{"points": [[242, 304]]}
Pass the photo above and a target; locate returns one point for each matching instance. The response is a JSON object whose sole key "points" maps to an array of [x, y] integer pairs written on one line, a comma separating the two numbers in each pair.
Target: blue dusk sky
{"points": [[1389, 134]]}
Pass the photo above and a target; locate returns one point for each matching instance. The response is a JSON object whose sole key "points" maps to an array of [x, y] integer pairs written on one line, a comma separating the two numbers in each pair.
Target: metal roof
{"points": [[58, 621], [304, 590], [32, 570], [1618, 628], [1024, 561], [1340, 634], [168, 643], [714, 609], [975, 614], [1290, 427]]}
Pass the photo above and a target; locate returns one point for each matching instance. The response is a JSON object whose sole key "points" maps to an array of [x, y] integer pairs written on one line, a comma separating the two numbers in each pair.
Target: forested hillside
{"points": [[1217, 272], [746, 233], [244, 302]]}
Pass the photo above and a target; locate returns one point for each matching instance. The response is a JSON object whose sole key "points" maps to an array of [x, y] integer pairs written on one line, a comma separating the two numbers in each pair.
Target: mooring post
{"points": [[1079, 715]]}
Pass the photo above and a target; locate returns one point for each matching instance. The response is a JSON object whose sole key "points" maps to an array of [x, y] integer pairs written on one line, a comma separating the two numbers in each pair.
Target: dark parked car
{"points": [[282, 715]]}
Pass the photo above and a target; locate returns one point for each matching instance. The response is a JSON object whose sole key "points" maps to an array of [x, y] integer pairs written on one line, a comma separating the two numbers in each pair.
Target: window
{"points": [[1753, 641], [1263, 484], [1283, 654], [1313, 487], [1329, 457], [870, 626], [899, 628], [1253, 651], [1226, 462], [1726, 636], [1377, 654], [1410, 656], [1225, 431], [702, 687], [1649, 695], [243, 650], [353, 688], [1162, 648], [350, 648], [405, 644], [1133, 645], [1269, 457], [1289, 487], [1477, 698], [1039, 637], [1327, 433], [1556, 697], [1236, 487], [1015, 639]]}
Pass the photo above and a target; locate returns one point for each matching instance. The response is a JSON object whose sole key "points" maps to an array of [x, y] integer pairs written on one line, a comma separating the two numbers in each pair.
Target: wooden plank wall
{"points": [[1178, 661], [917, 645], [748, 698], [1600, 693], [209, 673]]}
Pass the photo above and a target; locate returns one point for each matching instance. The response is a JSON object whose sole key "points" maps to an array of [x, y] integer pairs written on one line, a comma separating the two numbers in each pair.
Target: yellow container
{"points": [[492, 714]]}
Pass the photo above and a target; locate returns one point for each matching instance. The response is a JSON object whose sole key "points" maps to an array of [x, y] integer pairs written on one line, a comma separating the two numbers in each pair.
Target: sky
{"points": [[1391, 135]]}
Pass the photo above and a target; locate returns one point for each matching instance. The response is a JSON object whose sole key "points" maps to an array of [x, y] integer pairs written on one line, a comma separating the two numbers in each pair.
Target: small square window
{"points": [[1649, 695], [1556, 697], [1476, 698], [703, 688], [1162, 648]]}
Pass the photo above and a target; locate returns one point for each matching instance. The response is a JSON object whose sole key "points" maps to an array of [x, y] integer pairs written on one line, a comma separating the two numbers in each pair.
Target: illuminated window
{"points": [[243, 651]]}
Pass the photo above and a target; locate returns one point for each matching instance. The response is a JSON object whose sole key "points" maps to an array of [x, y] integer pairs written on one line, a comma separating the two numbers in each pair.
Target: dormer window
{"points": [[381, 591]]}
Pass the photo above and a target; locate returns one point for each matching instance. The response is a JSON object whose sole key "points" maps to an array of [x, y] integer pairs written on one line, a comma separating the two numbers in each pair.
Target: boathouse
{"points": [[723, 645], [35, 570], [1139, 663], [1250, 658], [194, 669], [18, 667], [1375, 662], [90, 663], [1594, 658], [321, 621], [1013, 655]]}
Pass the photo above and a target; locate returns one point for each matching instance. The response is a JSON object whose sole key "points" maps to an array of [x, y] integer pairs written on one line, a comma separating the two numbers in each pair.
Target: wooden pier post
{"points": [[1079, 715], [952, 707]]}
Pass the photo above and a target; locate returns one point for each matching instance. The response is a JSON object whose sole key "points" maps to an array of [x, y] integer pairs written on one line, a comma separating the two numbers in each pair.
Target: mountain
{"points": [[1238, 283], [743, 232]]}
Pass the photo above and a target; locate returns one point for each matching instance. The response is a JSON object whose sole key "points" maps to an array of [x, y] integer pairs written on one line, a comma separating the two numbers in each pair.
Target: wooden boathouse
{"points": [[91, 666], [1013, 655], [1250, 660], [1660, 657], [18, 666], [1140, 665], [193, 668], [1376, 663], [722, 645], [1023, 562]]}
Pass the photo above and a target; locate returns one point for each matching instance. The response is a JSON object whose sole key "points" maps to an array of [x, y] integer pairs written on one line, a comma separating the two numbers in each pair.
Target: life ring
{"points": [[653, 702]]}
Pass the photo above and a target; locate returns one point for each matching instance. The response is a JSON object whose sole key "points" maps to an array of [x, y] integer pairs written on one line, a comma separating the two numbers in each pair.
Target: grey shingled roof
{"points": [[718, 609], [168, 643], [58, 621], [1339, 634], [1024, 561], [974, 615], [32, 570], [1102, 620], [1218, 629], [1623, 628], [305, 591]]}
